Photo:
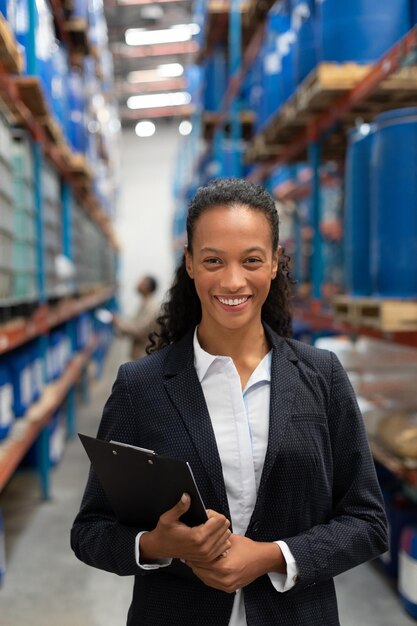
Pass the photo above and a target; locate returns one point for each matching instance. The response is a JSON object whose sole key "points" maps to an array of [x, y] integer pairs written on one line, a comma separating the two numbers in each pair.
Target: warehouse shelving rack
{"points": [[314, 135], [23, 104]]}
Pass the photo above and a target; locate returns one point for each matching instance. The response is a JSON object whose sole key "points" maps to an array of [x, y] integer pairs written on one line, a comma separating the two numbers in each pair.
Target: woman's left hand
{"points": [[245, 561]]}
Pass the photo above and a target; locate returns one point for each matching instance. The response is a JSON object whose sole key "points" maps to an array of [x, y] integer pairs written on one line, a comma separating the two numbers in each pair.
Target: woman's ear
{"points": [[275, 261], [188, 262]]}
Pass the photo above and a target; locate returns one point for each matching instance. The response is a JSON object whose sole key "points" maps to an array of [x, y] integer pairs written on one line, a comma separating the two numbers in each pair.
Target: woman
{"points": [[271, 429]]}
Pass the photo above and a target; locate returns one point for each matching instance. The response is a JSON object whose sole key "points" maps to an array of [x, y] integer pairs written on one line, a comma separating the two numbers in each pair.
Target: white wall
{"points": [[145, 209]]}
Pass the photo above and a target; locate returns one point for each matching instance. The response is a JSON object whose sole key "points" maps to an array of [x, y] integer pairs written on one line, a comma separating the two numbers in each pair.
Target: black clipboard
{"points": [[141, 485]]}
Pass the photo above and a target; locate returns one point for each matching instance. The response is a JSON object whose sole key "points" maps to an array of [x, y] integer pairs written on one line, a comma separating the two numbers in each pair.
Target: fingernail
{"points": [[184, 498], [182, 560]]}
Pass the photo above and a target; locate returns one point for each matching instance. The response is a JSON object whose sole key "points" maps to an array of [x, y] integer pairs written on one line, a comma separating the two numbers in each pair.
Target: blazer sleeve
{"points": [[356, 530], [97, 538]]}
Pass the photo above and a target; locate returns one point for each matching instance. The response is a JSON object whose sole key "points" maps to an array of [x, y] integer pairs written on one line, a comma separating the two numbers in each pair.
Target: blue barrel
{"points": [[80, 9], [286, 45], [216, 77], [357, 227], [20, 366], [76, 129], [413, 12], [8, 10], [393, 204], [282, 178], [304, 25], [407, 583], [6, 400], [360, 30], [277, 25], [59, 85]]}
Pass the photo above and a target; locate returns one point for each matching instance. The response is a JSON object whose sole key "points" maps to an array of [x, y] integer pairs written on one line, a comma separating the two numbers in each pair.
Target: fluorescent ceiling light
{"points": [[185, 128], [145, 129], [168, 70], [154, 100], [144, 76], [178, 33]]}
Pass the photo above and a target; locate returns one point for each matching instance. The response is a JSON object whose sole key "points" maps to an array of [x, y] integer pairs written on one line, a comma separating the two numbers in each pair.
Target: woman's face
{"points": [[232, 265]]}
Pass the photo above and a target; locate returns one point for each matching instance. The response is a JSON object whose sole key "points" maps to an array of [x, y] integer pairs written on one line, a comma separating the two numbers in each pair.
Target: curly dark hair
{"points": [[182, 309]]}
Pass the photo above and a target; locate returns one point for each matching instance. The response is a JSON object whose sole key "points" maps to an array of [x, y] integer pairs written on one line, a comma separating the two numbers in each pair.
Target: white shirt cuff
{"points": [[285, 582], [155, 564]]}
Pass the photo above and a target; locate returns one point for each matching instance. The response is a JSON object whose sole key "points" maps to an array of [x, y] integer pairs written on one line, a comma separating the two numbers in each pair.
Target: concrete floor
{"points": [[45, 585]]}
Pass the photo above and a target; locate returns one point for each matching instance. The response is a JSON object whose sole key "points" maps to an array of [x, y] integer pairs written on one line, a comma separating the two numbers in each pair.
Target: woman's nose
{"points": [[232, 279]]}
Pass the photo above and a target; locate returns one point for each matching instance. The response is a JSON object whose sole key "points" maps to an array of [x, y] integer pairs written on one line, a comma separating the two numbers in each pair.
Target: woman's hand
{"points": [[173, 539], [244, 562]]}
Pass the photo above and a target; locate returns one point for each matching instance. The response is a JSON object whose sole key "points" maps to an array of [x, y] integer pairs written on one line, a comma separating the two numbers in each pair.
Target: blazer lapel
{"points": [[186, 393], [284, 381]]}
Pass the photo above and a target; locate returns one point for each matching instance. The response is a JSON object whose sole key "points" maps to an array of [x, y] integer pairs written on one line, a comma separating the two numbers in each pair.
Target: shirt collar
{"points": [[203, 360]]}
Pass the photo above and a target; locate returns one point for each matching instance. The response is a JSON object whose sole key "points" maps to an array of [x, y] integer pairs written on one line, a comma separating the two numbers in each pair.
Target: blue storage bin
{"points": [[359, 30], [6, 400], [20, 366], [56, 432], [393, 204], [358, 212], [304, 26], [407, 583], [84, 330], [37, 365]]}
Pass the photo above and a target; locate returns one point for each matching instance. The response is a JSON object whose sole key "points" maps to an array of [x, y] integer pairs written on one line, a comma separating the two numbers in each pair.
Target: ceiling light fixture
{"points": [[167, 70], [170, 70], [185, 128], [145, 129], [155, 100], [178, 33]]}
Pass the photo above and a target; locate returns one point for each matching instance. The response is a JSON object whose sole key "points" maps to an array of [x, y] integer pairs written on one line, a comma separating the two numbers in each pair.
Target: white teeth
{"points": [[233, 301]]}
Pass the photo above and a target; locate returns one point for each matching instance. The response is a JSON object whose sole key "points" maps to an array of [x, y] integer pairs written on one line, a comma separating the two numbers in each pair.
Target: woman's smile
{"points": [[233, 304]]}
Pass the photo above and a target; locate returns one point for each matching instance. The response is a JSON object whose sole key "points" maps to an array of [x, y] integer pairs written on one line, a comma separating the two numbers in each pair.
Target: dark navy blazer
{"points": [[318, 490]]}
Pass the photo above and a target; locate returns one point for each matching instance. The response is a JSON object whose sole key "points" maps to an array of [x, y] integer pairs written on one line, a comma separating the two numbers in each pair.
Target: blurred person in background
{"points": [[138, 327]]}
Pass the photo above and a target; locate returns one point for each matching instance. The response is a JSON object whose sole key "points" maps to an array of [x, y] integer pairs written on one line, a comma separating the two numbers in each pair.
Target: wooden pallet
{"points": [[79, 166], [388, 315], [77, 29], [317, 93], [31, 94], [11, 58], [53, 130], [209, 120]]}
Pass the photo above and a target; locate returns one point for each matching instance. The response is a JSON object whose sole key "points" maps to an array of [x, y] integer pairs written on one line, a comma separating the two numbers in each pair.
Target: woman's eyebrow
{"points": [[218, 251]]}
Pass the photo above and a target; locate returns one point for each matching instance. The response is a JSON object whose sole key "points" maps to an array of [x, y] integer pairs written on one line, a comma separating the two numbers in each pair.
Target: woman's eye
{"points": [[252, 260], [211, 261]]}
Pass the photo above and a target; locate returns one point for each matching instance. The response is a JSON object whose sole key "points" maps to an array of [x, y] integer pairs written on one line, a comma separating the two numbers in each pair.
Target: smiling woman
{"points": [[270, 427], [232, 233]]}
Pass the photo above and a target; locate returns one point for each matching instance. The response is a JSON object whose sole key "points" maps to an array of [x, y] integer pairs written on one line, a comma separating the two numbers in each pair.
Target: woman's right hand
{"points": [[173, 539]]}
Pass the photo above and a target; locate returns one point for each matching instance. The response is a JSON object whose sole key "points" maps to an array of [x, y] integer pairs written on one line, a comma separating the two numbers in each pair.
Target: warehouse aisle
{"points": [[45, 584]]}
